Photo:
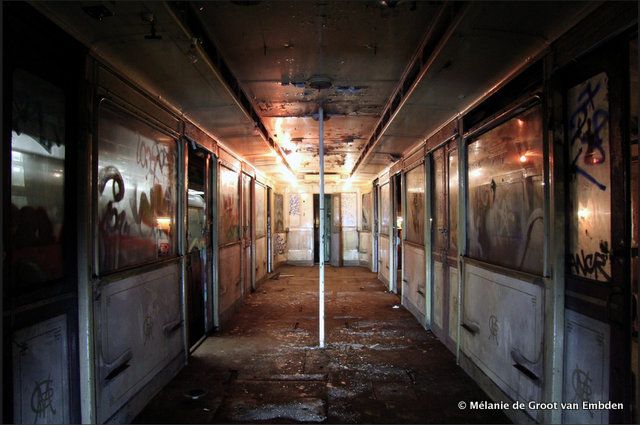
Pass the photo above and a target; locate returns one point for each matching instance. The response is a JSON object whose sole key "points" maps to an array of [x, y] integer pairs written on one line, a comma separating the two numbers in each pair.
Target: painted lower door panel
{"points": [[261, 258], [364, 248], [138, 333], [229, 278], [300, 244], [502, 331], [586, 366], [413, 281], [41, 373], [383, 248], [350, 245]]}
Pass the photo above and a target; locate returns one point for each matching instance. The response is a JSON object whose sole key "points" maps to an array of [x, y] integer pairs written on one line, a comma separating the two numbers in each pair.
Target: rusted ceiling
{"points": [[275, 48], [365, 48]]}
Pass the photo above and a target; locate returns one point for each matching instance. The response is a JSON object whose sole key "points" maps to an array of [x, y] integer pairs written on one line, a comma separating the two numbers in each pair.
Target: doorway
{"points": [[444, 247], [397, 221], [374, 227], [247, 234], [316, 228], [199, 247]]}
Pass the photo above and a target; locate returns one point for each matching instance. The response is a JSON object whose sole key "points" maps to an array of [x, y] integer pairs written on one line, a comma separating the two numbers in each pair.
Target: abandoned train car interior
{"points": [[383, 211]]}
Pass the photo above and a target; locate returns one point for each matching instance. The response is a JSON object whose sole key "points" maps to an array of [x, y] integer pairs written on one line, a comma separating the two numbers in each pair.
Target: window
{"points": [[136, 191], [589, 189], [385, 209], [505, 218], [414, 227], [229, 205], [37, 180]]}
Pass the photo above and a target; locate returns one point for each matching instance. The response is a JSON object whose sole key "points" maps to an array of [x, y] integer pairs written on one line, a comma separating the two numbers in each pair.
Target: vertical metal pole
{"points": [[321, 289]]}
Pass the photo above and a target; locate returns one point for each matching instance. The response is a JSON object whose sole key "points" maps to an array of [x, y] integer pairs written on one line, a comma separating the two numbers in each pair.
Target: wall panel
{"points": [[138, 327], [230, 288], [261, 258], [503, 334], [383, 250], [413, 288]]}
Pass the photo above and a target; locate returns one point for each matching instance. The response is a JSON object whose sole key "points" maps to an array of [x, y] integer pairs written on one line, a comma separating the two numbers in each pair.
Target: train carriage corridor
{"points": [[379, 366]]}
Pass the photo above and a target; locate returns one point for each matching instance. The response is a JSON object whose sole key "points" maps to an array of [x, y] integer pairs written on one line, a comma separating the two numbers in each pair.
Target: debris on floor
{"points": [[265, 365]]}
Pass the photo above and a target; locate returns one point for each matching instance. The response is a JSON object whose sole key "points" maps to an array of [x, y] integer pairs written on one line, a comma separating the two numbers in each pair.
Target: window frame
{"points": [[518, 108], [117, 107]]}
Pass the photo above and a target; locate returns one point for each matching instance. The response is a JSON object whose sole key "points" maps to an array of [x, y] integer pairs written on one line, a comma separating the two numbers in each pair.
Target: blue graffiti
{"points": [[590, 136]]}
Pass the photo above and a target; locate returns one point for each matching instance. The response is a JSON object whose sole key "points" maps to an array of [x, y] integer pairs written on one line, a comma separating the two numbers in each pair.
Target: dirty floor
{"points": [[379, 366]]}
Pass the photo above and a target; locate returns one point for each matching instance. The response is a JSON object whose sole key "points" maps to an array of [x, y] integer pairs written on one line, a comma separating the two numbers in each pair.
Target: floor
{"points": [[379, 366]]}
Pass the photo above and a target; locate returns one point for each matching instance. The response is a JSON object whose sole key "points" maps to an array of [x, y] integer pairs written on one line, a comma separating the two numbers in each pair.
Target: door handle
{"points": [[472, 328], [119, 365]]}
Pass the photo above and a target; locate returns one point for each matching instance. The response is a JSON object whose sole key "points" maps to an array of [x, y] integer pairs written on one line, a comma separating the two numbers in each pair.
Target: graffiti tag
{"points": [[591, 265], [152, 159], [42, 398], [493, 329], [581, 382], [588, 122]]}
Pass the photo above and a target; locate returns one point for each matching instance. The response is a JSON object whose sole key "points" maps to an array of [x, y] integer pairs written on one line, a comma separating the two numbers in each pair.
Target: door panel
{"points": [[198, 242], [598, 287], [444, 206], [247, 231], [336, 229], [260, 231], [384, 199]]}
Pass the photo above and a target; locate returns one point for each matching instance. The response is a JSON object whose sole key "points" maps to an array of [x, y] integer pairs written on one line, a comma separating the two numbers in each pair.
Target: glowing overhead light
{"points": [[520, 122], [476, 172], [286, 143], [288, 175], [294, 160], [523, 158], [584, 213]]}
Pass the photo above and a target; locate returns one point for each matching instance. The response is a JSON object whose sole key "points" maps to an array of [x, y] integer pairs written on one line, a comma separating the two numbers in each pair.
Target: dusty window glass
{"points": [[453, 203], [229, 205], [196, 203], [37, 180], [246, 206], [415, 204], [505, 219], [590, 184], [261, 210], [439, 202], [278, 213], [136, 190], [385, 209]]}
